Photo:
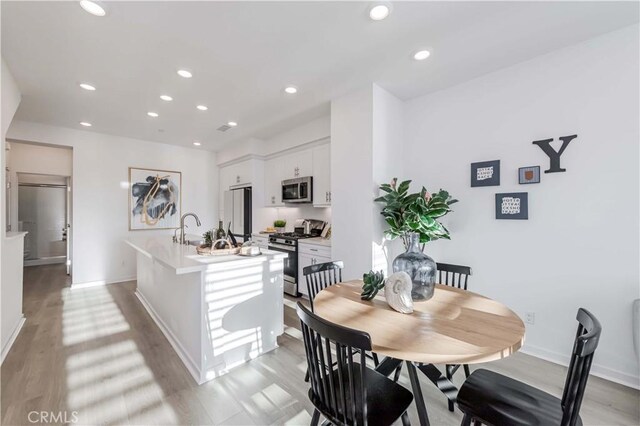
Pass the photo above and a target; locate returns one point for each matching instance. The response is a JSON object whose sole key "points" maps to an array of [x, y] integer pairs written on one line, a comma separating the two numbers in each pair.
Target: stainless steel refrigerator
{"points": [[237, 210]]}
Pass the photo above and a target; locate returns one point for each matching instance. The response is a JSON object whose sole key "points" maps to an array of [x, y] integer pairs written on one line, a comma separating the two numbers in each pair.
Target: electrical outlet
{"points": [[530, 317]]}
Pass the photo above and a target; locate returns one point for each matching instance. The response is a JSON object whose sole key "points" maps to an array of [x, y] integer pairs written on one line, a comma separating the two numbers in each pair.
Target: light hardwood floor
{"points": [[95, 351]]}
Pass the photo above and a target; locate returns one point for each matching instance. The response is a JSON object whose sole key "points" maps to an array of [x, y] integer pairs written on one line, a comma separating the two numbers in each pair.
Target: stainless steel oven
{"points": [[289, 246], [299, 190]]}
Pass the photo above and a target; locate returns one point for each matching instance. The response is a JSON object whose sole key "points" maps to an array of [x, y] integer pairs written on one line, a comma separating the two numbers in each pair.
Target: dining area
{"points": [[421, 318], [356, 350]]}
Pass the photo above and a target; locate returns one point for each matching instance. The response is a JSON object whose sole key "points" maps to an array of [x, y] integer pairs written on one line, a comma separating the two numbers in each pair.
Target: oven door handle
{"points": [[281, 247]]}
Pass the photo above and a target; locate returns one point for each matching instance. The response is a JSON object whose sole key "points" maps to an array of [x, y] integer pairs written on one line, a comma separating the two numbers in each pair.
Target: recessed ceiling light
{"points": [[152, 114], [291, 90], [94, 8], [86, 86], [202, 107], [166, 98], [85, 124], [379, 12], [197, 143], [232, 124], [421, 55], [185, 74]]}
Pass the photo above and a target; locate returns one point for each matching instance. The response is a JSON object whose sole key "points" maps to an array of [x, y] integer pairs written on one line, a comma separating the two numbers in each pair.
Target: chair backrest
{"points": [[321, 276], [586, 342], [338, 383], [453, 275]]}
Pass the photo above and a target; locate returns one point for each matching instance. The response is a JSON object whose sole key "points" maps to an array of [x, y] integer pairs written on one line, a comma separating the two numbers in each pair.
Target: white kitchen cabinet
{"points": [[273, 176], [235, 174], [310, 254], [239, 173], [297, 164], [261, 241], [322, 175]]}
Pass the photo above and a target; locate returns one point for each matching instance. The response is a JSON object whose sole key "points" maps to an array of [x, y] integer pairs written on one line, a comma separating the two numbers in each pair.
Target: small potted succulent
{"points": [[279, 225]]}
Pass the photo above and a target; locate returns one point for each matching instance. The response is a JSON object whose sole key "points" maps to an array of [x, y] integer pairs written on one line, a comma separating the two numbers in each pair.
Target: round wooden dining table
{"points": [[454, 327]]}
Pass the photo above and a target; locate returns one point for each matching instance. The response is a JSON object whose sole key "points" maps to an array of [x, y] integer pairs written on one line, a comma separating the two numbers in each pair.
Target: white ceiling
{"points": [[242, 54]]}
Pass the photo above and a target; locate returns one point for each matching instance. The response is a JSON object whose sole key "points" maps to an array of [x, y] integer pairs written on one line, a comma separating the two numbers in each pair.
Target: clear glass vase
{"points": [[420, 267]]}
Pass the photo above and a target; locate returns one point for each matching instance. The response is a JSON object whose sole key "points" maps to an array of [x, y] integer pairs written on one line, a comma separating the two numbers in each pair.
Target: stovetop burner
{"points": [[291, 235]]}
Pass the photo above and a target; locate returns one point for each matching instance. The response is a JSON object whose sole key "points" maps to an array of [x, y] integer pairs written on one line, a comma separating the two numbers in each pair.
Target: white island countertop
{"points": [[184, 259]]}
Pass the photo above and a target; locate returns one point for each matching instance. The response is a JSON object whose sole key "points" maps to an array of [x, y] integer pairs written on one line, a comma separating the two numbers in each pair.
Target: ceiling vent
{"points": [[224, 128]]}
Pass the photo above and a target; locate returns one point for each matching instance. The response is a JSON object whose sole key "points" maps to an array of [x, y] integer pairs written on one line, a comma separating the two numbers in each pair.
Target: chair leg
{"points": [[405, 419], [447, 372], [467, 373], [466, 420], [375, 359], [316, 417], [396, 375]]}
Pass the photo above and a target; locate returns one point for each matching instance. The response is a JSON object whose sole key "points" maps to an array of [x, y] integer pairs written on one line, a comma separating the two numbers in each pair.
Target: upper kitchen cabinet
{"points": [[236, 174], [322, 175], [241, 173], [297, 164], [273, 176]]}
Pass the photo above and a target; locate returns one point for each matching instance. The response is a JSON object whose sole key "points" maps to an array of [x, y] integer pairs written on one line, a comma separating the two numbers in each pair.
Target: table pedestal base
{"points": [[388, 366]]}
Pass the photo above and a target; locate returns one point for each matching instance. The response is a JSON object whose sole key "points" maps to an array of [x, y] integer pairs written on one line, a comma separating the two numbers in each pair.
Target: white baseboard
{"points": [[596, 370], [12, 339], [101, 283], [175, 343]]}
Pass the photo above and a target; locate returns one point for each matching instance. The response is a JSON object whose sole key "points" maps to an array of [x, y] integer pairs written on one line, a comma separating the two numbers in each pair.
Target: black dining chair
{"points": [[319, 277], [453, 276], [343, 390], [493, 399]]}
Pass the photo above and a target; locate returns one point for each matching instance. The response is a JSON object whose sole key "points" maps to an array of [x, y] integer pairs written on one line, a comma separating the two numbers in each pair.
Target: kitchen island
{"points": [[216, 311]]}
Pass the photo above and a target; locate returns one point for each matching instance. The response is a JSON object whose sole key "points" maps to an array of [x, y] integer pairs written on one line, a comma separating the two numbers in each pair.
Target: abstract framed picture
{"points": [[530, 174], [155, 199], [512, 205], [485, 173]]}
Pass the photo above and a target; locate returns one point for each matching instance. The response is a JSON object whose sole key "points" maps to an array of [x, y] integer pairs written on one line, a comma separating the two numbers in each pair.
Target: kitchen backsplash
{"points": [[264, 217]]}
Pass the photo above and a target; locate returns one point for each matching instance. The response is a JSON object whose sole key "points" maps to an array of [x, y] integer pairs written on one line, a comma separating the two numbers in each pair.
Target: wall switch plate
{"points": [[530, 317]]}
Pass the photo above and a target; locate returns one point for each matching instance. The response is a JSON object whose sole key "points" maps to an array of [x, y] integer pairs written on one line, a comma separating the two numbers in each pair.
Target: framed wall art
{"points": [[485, 173], [512, 205], [528, 175], [155, 199]]}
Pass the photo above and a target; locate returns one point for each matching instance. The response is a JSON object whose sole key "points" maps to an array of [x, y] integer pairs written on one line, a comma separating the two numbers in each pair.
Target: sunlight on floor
{"points": [[107, 374], [90, 314]]}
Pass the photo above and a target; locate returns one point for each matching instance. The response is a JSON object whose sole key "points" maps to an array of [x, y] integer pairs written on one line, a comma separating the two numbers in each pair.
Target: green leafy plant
{"points": [[373, 282], [279, 223], [208, 238], [416, 212]]}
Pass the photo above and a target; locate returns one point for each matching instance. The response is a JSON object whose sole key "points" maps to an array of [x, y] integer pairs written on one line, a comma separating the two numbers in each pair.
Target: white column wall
{"points": [[10, 249]]}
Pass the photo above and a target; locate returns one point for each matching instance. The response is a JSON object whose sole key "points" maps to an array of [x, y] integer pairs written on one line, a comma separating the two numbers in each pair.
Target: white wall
{"points": [[352, 187], [388, 137], [579, 247], [100, 194], [10, 249]]}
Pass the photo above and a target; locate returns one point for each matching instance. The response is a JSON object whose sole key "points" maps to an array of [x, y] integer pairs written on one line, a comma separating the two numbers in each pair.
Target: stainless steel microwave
{"points": [[299, 190]]}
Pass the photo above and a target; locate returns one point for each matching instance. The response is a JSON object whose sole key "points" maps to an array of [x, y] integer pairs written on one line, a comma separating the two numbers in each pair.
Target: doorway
{"points": [[44, 213]]}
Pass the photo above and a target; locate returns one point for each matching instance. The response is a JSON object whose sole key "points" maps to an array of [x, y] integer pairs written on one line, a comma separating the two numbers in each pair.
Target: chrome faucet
{"points": [[183, 240]]}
